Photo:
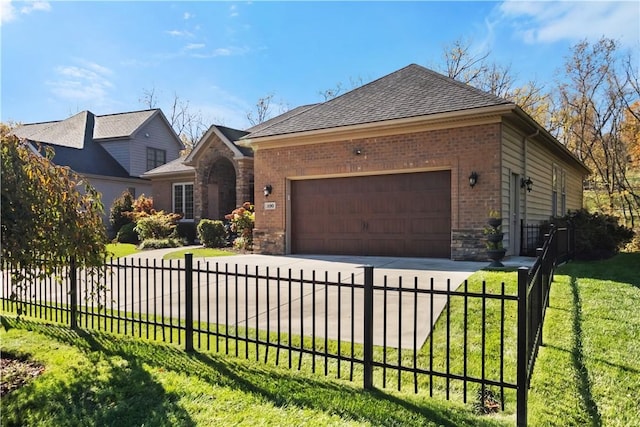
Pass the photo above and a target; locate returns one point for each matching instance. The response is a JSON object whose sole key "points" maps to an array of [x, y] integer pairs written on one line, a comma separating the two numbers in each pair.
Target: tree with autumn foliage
{"points": [[599, 124], [49, 214]]}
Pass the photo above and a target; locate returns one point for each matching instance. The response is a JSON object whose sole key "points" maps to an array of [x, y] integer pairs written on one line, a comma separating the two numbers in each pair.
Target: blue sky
{"points": [[59, 58]]}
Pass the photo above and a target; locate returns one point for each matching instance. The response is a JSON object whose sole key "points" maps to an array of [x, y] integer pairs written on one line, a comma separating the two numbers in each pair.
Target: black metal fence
{"points": [[533, 237], [485, 339]]}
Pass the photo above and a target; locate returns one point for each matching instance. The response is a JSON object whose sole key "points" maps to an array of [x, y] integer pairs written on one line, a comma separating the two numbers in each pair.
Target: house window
{"points": [[155, 158], [183, 200], [563, 192], [554, 190]]}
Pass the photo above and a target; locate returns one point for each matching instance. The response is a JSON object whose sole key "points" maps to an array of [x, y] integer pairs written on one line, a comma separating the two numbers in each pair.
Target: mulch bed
{"points": [[15, 373]]}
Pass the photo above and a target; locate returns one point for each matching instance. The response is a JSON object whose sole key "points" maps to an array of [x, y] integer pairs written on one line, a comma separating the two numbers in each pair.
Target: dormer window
{"points": [[155, 158]]}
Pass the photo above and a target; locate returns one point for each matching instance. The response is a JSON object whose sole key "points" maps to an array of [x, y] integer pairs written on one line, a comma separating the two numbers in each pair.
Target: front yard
{"points": [[587, 373]]}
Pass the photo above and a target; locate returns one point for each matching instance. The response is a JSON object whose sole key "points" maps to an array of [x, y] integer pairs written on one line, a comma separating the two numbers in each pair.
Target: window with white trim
{"points": [[183, 200]]}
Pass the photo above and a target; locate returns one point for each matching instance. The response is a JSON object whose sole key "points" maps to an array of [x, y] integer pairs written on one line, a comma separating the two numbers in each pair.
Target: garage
{"points": [[405, 215]]}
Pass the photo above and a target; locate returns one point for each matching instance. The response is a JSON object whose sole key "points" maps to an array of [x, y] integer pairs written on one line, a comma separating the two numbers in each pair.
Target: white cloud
{"points": [[35, 5], [86, 82], [8, 11], [187, 15], [192, 46], [223, 51], [548, 22], [178, 33], [233, 11]]}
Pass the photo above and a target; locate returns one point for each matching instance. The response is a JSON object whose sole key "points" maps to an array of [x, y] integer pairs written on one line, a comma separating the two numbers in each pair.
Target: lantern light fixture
{"points": [[527, 183], [473, 179]]}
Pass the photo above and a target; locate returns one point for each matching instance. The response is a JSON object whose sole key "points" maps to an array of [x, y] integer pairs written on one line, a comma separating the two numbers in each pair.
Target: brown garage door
{"points": [[388, 215]]}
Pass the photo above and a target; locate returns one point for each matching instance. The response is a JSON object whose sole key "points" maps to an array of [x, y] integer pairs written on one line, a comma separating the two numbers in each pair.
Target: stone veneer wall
{"points": [[468, 245]]}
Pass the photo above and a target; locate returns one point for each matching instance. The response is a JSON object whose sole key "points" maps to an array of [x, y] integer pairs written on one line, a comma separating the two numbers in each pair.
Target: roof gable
{"points": [[75, 130], [76, 140], [409, 92], [122, 124], [228, 136], [71, 132]]}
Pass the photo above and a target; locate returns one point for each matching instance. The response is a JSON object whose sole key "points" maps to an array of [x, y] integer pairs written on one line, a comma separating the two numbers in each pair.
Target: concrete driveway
{"points": [[334, 307]]}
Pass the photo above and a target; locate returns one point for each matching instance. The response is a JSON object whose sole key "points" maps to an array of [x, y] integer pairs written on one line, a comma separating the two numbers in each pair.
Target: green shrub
{"points": [[212, 233], [598, 235], [242, 222], [169, 242], [119, 208], [156, 226], [127, 234], [186, 231]]}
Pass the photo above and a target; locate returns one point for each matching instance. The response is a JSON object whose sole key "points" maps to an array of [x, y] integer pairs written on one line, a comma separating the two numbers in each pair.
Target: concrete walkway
{"points": [[253, 302]]}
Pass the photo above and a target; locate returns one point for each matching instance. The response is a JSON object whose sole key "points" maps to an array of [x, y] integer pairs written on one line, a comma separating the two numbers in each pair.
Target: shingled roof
{"points": [[85, 126], [75, 140], [409, 92]]}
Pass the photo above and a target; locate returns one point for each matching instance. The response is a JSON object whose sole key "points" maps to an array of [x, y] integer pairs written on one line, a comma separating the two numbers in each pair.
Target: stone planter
{"points": [[495, 222], [496, 256], [495, 237]]}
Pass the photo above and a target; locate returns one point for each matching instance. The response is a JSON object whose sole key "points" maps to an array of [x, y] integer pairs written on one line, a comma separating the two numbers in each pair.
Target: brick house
{"points": [[386, 169], [407, 165], [210, 181]]}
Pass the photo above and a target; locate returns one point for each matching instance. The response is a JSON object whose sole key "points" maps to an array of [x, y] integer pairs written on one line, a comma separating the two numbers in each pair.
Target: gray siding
{"points": [[512, 163], [111, 188], [541, 161], [159, 137], [132, 153], [119, 150]]}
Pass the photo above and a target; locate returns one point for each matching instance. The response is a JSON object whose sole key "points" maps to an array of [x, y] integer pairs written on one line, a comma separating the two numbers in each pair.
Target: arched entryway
{"points": [[220, 189]]}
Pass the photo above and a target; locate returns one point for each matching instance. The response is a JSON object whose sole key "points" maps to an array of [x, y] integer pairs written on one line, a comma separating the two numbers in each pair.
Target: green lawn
{"points": [[117, 250], [98, 379], [199, 253], [587, 373]]}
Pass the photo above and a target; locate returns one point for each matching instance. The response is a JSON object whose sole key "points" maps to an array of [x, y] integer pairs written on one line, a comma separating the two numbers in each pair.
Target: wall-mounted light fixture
{"points": [[473, 179], [267, 190], [526, 183], [357, 151]]}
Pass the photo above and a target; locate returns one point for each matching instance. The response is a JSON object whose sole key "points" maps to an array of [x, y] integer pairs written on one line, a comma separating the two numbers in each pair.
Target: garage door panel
{"points": [[344, 225], [307, 245], [343, 246], [388, 215], [394, 247], [386, 225]]}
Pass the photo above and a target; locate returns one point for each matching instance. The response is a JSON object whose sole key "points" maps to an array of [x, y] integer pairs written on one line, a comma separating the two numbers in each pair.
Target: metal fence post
{"points": [[368, 327], [188, 297], [522, 380], [73, 292]]}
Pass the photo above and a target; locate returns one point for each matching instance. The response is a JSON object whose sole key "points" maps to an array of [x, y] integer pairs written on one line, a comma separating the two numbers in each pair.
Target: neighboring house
{"points": [[385, 170], [112, 151]]}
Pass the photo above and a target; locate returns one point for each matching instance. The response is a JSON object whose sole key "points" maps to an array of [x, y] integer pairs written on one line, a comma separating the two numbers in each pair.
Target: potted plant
{"points": [[495, 252], [494, 235], [495, 219]]}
